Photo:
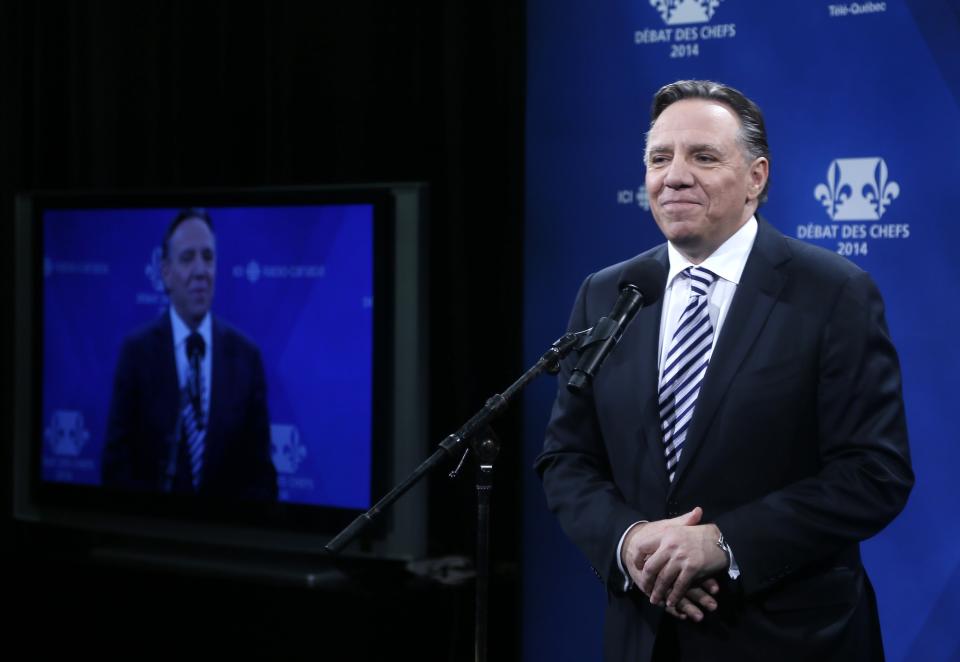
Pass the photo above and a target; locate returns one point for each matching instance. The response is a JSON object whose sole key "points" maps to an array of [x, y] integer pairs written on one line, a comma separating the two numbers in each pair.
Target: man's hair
{"points": [[184, 215], [753, 132]]}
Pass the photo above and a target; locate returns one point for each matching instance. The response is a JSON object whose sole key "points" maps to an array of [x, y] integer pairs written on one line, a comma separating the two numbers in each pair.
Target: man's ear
{"points": [[758, 173]]}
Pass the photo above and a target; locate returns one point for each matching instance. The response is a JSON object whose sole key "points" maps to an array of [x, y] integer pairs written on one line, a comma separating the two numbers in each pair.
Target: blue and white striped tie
{"points": [[685, 366], [192, 418]]}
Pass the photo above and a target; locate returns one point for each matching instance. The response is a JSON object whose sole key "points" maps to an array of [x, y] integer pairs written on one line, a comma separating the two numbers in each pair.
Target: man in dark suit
{"points": [[189, 408], [747, 432]]}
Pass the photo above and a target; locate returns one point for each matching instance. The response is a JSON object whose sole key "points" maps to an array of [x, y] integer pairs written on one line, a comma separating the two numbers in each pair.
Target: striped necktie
{"points": [[192, 414], [685, 366]]}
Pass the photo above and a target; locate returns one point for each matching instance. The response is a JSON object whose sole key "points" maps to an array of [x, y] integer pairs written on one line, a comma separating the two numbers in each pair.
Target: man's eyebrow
{"points": [[704, 147], [696, 147]]}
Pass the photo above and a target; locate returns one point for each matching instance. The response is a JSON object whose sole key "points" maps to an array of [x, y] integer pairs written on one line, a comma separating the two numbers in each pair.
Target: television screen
{"points": [[296, 282], [221, 356]]}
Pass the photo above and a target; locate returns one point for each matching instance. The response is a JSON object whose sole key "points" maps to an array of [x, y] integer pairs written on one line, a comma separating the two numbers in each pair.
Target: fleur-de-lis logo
{"points": [[682, 12], [286, 449], [857, 189], [833, 193], [881, 191]]}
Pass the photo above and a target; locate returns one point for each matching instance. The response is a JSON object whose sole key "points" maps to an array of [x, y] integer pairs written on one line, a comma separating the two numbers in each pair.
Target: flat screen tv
{"points": [[314, 389]]}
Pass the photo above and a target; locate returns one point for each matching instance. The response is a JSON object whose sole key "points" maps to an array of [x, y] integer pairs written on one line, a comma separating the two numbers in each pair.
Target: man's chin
{"points": [[198, 313], [682, 233], [193, 315], [690, 244]]}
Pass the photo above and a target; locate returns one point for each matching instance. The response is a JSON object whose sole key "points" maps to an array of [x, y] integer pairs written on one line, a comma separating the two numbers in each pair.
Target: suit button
{"points": [[673, 513]]}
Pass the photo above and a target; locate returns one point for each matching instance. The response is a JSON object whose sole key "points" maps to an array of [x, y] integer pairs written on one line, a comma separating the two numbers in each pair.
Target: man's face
{"points": [[189, 270], [701, 187]]}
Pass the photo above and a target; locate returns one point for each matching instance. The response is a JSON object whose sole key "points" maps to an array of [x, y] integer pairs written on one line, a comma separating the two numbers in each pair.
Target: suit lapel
{"points": [[755, 297], [167, 377], [218, 377], [633, 369]]}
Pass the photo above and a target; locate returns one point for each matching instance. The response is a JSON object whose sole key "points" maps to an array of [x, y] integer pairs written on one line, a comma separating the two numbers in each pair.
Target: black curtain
{"points": [[153, 94]]}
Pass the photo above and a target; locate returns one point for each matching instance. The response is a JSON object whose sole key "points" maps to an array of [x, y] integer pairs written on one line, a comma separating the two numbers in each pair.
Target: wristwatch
{"points": [[733, 570], [722, 544]]}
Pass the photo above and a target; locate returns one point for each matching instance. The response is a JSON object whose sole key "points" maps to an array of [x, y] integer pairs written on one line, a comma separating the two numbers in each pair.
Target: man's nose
{"points": [[678, 174], [200, 267]]}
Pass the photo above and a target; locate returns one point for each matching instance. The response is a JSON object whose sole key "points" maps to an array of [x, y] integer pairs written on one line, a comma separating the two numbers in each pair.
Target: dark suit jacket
{"points": [[143, 418], [797, 451]]}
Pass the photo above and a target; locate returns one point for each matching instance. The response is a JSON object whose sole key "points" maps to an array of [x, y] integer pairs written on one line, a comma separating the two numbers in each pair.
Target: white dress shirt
{"points": [[727, 262]]}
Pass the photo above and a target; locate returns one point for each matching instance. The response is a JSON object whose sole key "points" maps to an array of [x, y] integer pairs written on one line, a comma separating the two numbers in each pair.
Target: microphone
{"points": [[640, 284]]}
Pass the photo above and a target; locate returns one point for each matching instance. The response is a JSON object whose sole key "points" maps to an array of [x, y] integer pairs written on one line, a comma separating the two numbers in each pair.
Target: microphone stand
{"points": [[477, 433]]}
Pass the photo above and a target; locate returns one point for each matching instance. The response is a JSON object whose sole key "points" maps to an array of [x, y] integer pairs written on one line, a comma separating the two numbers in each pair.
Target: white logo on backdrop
{"points": [[154, 269], [685, 12], [253, 271], [643, 198], [857, 189], [286, 449], [638, 197], [688, 25], [856, 9], [66, 435], [53, 267]]}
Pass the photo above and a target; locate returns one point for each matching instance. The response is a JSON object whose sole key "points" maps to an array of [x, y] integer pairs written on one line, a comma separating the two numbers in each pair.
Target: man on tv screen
{"points": [[189, 407]]}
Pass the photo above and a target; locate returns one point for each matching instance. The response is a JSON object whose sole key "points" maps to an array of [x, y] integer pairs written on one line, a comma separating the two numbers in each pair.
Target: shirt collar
{"points": [[181, 331], [727, 261]]}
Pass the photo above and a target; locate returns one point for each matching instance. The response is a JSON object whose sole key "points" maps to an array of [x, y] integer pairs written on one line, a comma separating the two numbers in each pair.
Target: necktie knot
{"points": [[196, 346], [700, 280]]}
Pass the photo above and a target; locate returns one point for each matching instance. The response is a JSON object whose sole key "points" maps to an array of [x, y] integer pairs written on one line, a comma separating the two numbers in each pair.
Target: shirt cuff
{"points": [[627, 581]]}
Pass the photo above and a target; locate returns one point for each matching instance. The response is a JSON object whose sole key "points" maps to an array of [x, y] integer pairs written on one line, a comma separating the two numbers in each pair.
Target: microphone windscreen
{"points": [[648, 276]]}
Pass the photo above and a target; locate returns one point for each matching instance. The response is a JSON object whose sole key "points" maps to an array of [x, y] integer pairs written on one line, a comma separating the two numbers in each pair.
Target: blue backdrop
{"points": [[855, 95], [297, 280]]}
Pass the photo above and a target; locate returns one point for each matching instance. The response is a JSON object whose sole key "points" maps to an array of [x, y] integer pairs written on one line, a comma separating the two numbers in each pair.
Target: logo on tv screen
{"points": [[286, 448], [66, 435]]}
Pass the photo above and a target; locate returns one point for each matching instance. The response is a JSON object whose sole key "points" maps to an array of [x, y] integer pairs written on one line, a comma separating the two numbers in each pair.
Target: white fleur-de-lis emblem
{"points": [[286, 449], [857, 189], [881, 191], [683, 12]]}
